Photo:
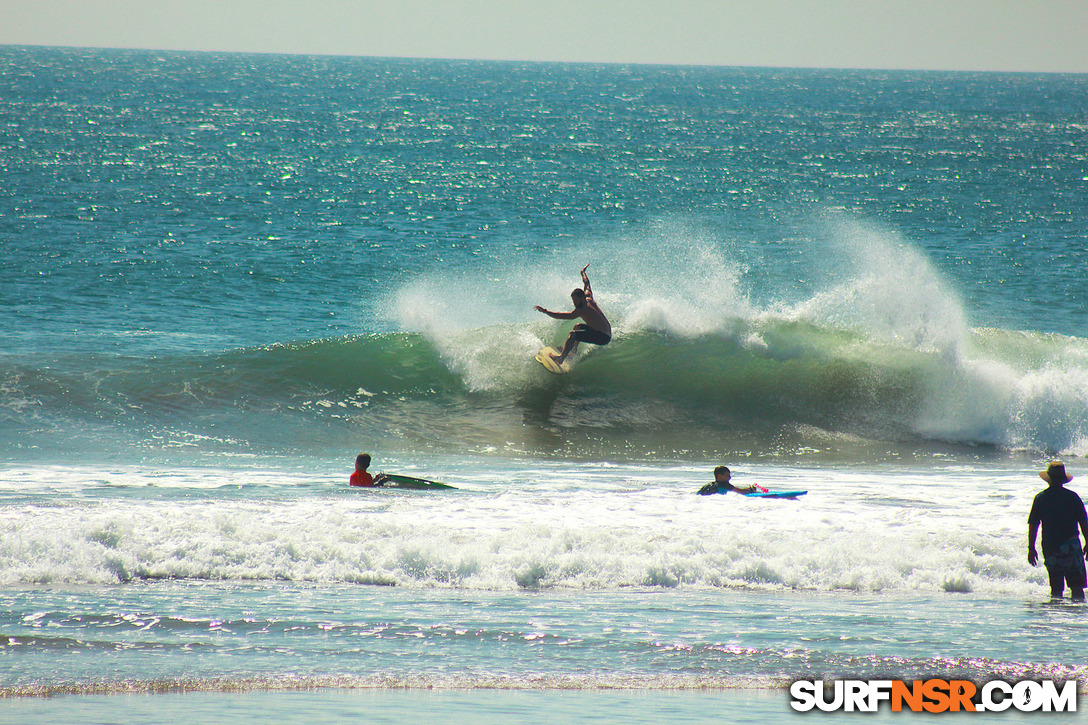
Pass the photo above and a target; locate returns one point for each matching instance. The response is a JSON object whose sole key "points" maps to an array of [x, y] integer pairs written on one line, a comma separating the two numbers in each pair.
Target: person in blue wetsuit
{"points": [[1060, 512], [721, 484]]}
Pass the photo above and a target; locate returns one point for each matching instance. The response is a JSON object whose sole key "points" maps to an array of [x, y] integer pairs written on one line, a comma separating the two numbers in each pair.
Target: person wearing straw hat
{"points": [[1060, 511]]}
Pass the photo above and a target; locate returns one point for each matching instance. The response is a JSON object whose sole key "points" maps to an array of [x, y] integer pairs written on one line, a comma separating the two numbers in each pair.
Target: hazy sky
{"points": [[1017, 35]]}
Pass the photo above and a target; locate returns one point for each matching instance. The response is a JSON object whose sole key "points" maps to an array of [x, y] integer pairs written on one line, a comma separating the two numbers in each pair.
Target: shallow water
{"points": [[492, 706]]}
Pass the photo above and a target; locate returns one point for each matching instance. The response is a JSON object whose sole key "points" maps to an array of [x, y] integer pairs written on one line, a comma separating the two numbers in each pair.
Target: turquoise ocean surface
{"points": [[223, 276]]}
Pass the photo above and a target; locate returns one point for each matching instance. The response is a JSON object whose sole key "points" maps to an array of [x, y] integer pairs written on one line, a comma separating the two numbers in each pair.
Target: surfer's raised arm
{"points": [[585, 283]]}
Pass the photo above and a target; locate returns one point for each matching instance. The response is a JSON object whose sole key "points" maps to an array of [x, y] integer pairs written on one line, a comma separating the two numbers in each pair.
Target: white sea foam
{"points": [[566, 527], [885, 287]]}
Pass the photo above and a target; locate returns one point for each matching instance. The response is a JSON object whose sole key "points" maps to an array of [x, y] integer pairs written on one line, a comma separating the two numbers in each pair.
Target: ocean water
{"points": [[226, 275]]}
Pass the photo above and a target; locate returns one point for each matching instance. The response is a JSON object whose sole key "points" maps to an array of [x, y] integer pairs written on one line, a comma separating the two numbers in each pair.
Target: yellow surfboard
{"points": [[544, 357]]}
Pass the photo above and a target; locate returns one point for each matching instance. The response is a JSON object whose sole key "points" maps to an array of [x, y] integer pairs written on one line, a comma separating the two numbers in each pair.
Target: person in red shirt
{"points": [[360, 477]]}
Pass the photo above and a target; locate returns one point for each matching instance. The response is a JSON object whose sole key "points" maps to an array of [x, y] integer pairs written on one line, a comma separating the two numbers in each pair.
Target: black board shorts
{"points": [[585, 333]]}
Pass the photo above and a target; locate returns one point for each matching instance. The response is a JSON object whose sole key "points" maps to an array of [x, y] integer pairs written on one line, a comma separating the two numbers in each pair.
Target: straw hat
{"points": [[1055, 473]]}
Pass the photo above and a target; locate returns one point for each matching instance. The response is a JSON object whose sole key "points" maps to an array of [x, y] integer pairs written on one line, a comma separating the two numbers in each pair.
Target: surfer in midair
{"points": [[594, 327]]}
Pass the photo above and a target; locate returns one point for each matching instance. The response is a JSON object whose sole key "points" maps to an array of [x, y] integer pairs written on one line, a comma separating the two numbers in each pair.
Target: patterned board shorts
{"points": [[1066, 559]]}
